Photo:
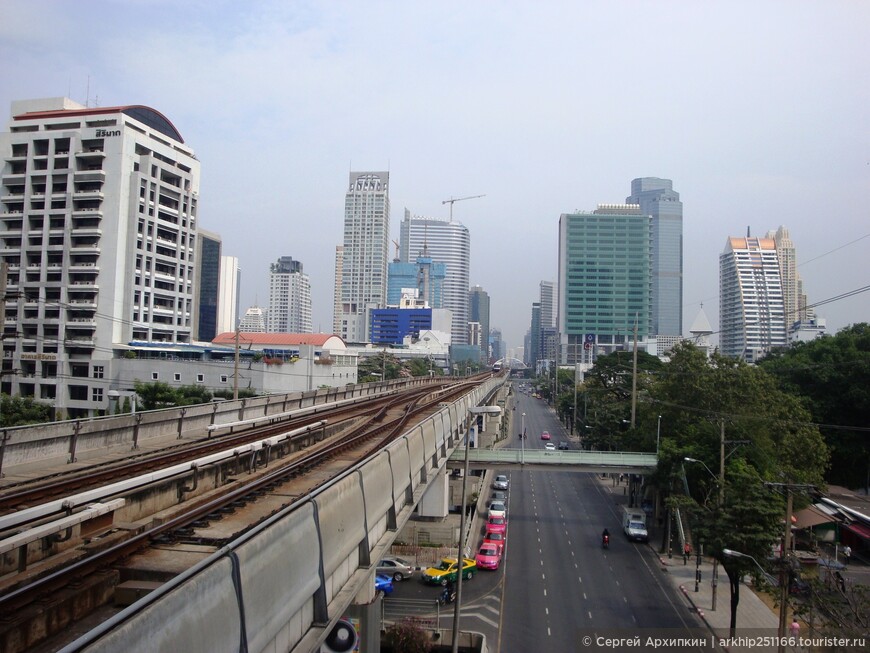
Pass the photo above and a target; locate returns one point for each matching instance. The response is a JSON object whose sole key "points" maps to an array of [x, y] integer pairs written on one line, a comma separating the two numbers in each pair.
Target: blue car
{"points": [[383, 583]]}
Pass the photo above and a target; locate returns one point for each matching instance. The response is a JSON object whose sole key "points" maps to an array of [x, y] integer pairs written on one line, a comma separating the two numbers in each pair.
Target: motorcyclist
{"points": [[605, 537]]}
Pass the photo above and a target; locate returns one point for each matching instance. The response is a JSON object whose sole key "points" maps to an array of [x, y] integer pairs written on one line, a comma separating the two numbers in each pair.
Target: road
{"points": [[556, 583]]}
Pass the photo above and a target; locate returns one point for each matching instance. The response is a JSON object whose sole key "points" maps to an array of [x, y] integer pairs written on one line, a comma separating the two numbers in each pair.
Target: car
{"points": [[500, 482], [545, 435], [497, 539], [549, 447], [383, 583], [496, 525], [497, 509], [563, 445], [446, 571], [488, 557], [396, 568], [498, 495]]}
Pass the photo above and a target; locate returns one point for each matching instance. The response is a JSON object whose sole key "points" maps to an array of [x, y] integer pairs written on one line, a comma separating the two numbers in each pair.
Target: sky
{"points": [[758, 111]]}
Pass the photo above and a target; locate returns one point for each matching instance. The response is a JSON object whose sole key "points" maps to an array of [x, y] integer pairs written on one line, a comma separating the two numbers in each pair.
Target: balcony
{"points": [[84, 248], [79, 342], [82, 286], [83, 303], [87, 267], [89, 175], [88, 194], [14, 179], [87, 231], [87, 211], [91, 153]]}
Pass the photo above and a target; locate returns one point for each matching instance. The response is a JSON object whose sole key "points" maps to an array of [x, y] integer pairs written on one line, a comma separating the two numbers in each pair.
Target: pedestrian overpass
{"points": [[600, 462]]}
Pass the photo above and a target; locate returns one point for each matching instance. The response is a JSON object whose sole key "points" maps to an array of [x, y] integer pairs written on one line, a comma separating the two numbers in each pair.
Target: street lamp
{"points": [[460, 558], [730, 553], [721, 482], [523, 442], [658, 434]]}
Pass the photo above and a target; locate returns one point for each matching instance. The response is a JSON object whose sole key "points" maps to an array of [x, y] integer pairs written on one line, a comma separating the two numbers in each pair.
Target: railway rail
{"points": [[296, 474]]}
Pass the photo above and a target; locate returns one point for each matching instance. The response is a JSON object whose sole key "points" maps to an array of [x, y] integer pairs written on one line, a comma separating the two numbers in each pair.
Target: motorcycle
{"points": [[447, 596], [605, 542]]}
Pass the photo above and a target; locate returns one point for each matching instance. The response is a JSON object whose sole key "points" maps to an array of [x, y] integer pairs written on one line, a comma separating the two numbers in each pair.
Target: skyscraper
{"points": [[604, 278], [657, 199], [228, 302], [548, 303], [207, 286], [336, 293], [793, 298], [478, 311], [445, 242], [751, 309], [365, 251], [99, 209], [289, 298]]}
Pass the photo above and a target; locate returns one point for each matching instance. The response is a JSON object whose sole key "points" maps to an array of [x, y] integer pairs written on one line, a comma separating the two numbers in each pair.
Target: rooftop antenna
{"points": [[452, 200]]}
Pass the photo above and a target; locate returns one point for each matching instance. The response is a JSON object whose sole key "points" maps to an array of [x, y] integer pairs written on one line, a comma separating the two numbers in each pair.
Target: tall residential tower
{"points": [[751, 309], [289, 298], [98, 207], [365, 251]]}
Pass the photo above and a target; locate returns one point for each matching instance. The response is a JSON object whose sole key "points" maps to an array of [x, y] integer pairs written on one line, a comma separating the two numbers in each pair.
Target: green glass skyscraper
{"points": [[605, 279]]}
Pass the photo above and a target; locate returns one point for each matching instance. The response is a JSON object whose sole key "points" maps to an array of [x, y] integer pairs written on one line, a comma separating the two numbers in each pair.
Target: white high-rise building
{"points": [[448, 242], [793, 298], [548, 303], [289, 298], [99, 227], [253, 321], [751, 309], [336, 293], [228, 291], [365, 252]]}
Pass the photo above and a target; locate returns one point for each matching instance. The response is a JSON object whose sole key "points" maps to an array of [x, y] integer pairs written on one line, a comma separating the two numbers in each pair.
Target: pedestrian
{"points": [[795, 628], [687, 551], [847, 553]]}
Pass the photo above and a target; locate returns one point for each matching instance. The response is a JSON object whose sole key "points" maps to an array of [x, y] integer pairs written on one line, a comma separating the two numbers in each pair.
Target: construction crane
{"points": [[396, 243], [459, 199]]}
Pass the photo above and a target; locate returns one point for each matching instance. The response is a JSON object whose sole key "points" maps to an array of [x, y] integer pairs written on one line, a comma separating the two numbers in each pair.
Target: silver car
{"points": [[396, 568], [500, 482]]}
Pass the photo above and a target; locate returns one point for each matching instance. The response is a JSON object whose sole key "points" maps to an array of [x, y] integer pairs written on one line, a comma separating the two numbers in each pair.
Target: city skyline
{"points": [[774, 132]]}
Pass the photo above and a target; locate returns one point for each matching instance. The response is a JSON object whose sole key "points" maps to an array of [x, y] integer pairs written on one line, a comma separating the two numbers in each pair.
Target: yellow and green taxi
{"points": [[446, 571]]}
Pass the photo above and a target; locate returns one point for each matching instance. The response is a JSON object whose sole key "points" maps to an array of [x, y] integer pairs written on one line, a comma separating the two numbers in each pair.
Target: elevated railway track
{"points": [[48, 583]]}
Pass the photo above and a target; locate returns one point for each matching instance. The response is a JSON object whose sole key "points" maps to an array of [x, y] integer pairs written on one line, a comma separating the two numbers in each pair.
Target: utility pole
{"points": [[236, 368], [452, 200], [634, 377]]}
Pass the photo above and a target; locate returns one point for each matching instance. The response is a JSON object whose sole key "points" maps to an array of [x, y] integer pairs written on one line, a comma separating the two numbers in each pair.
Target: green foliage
{"points": [[382, 365], [154, 395], [18, 411], [189, 395], [831, 377], [422, 367], [244, 393]]}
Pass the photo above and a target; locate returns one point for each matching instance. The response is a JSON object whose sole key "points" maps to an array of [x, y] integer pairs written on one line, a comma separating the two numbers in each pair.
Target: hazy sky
{"points": [[759, 111]]}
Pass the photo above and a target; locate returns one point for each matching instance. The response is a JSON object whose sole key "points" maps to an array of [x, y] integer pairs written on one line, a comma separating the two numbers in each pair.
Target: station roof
{"points": [[327, 340]]}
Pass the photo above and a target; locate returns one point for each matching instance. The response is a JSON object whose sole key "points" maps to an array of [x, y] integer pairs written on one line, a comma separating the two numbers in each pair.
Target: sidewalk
{"points": [[754, 618]]}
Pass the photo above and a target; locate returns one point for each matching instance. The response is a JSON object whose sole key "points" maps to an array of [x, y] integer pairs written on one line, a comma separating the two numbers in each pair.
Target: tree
{"points": [[408, 636], [19, 411], [748, 522], [831, 376], [380, 366], [770, 438], [157, 394], [189, 395]]}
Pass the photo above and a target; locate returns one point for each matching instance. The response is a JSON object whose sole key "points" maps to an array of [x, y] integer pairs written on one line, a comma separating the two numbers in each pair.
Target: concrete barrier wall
{"points": [[290, 575], [283, 556], [211, 622], [58, 440]]}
